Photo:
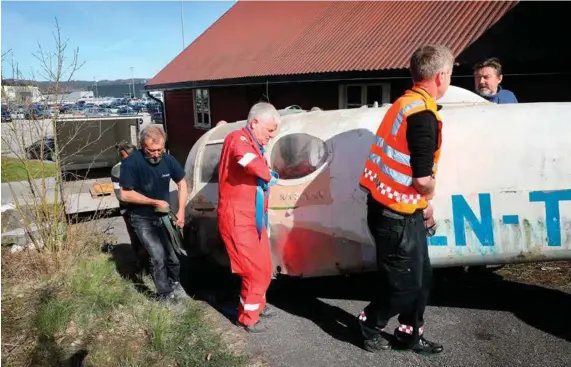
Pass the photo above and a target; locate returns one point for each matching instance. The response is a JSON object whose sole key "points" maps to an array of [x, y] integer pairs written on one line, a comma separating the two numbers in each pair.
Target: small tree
{"points": [[40, 204]]}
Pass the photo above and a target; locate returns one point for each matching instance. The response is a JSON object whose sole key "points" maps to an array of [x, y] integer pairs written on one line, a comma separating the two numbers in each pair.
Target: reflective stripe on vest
{"points": [[400, 115], [389, 191], [401, 178], [396, 156]]}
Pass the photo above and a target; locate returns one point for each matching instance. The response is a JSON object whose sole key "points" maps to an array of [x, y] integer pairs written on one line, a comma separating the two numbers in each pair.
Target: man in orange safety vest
{"points": [[399, 176]]}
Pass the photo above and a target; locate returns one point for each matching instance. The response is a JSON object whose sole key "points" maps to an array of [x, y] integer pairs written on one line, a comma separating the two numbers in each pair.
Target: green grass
{"points": [[90, 307], [13, 169]]}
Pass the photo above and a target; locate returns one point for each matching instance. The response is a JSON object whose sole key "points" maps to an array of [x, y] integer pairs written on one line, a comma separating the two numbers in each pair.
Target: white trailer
{"points": [[87, 144]]}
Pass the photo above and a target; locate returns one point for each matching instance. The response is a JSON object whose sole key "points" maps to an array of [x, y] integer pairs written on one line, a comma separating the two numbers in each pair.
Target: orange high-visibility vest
{"points": [[387, 174]]}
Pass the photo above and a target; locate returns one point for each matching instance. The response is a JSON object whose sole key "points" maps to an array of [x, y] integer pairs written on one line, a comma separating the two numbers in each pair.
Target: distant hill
{"points": [[76, 85]]}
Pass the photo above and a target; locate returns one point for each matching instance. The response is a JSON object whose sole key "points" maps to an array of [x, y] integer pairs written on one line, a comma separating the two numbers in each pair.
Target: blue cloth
{"points": [[503, 96], [262, 192], [150, 180]]}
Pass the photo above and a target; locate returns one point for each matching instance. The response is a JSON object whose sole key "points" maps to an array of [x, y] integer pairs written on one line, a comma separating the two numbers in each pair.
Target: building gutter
{"points": [[462, 70], [163, 116]]}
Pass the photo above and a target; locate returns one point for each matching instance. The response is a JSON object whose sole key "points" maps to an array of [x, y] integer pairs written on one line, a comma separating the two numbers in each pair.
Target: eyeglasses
{"points": [[159, 150]]}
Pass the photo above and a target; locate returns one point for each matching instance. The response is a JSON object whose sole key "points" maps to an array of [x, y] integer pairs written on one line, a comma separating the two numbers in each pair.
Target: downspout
{"points": [[163, 116]]}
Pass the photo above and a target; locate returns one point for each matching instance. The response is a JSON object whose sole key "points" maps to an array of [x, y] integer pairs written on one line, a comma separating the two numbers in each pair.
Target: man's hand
{"points": [[161, 204], [182, 196], [180, 219], [429, 222], [425, 186]]}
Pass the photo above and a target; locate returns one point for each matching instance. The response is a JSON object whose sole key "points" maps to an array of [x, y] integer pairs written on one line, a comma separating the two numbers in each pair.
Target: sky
{"points": [[112, 36]]}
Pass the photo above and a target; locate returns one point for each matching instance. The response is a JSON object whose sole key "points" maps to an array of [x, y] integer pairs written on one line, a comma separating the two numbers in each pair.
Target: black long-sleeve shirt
{"points": [[422, 138]]}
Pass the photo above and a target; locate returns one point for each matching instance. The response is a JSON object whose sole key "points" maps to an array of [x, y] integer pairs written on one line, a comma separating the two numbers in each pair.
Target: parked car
{"points": [[126, 110], [6, 116], [95, 112], [157, 117], [33, 114], [42, 148]]}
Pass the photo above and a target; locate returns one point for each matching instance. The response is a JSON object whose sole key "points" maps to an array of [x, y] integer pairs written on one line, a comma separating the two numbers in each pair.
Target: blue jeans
{"points": [[163, 261]]}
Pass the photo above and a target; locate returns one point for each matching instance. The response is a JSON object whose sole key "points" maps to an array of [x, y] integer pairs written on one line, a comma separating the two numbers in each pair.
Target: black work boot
{"points": [[377, 343], [267, 312], [258, 327], [423, 346]]}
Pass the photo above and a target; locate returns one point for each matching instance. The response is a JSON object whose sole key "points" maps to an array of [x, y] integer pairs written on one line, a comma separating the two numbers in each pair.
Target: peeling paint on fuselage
{"points": [[493, 205]]}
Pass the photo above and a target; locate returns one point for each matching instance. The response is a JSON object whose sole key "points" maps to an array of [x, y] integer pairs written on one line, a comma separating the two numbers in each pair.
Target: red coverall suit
{"points": [[243, 169]]}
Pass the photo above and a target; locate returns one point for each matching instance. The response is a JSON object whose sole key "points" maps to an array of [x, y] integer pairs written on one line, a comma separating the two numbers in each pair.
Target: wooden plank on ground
{"points": [[99, 189]]}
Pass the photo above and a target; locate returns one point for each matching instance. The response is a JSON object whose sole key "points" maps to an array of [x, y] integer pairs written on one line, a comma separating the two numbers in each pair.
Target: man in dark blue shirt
{"points": [[487, 79], [145, 179]]}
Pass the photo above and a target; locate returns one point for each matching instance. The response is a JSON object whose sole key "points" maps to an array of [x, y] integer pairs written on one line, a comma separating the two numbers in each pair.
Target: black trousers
{"points": [[404, 270], [163, 261]]}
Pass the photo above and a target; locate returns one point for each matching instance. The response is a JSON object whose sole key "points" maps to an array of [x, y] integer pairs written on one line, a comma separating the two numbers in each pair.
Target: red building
{"points": [[346, 54]]}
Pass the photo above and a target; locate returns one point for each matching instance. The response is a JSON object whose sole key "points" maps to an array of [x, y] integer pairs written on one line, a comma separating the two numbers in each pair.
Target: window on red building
{"points": [[202, 118], [358, 95]]}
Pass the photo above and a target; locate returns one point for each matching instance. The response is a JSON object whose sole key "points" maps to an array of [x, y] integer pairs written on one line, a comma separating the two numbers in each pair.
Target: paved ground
{"points": [[492, 322]]}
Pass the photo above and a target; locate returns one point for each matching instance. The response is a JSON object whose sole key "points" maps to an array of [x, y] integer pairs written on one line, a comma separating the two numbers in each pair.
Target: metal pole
{"points": [[182, 24], [132, 81]]}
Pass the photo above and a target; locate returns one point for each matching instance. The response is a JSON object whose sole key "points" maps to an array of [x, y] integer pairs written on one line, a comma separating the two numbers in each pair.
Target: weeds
{"points": [[89, 310]]}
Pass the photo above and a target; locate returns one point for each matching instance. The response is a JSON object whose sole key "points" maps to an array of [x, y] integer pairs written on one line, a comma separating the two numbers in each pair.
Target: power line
{"points": [[182, 24]]}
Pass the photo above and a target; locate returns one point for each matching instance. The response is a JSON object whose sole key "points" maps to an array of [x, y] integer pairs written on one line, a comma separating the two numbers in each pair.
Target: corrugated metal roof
{"points": [[269, 38]]}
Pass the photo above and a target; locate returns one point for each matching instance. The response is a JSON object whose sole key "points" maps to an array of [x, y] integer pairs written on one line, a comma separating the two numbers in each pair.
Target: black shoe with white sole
{"points": [[422, 346]]}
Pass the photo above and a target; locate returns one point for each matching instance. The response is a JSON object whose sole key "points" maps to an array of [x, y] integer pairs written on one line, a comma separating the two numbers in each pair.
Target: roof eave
{"points": [[278, 79]]}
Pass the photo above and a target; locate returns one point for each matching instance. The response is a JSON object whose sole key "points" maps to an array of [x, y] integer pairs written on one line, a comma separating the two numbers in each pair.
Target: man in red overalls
{"points": [[244, 181]]}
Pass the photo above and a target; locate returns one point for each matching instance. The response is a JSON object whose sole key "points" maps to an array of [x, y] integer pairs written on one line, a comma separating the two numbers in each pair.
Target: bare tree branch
{"points": [[46, 222]]}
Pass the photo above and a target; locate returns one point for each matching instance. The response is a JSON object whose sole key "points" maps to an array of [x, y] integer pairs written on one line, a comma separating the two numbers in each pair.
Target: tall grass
{"points": [[89, 310]]}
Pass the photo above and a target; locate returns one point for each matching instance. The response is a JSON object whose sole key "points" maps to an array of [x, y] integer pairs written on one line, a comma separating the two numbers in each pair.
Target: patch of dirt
{"points": [[553, 274]]}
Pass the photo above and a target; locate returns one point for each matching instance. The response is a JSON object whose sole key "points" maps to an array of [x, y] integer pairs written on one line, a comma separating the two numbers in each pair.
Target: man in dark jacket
{"points": [[145, 181]]}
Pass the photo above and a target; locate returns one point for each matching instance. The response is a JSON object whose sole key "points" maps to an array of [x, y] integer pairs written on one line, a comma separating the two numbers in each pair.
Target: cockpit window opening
{"points": [[298, 155]]}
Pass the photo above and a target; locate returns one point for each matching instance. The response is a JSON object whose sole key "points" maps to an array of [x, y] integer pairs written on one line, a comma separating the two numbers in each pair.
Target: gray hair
{"points": [[427, 61], [126, 146], [154, 133], [264, 112]]}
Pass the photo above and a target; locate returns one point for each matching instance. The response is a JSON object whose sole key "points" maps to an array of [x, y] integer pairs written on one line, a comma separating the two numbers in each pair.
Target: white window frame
{"points": [[385, 94], [196, 123]]}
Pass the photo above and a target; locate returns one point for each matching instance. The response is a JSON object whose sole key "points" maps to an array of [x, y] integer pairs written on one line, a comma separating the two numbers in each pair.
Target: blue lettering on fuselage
{"points": [[482, 223]]}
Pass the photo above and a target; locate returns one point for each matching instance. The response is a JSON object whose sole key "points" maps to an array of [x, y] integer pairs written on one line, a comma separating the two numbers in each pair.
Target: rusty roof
{"points": [[268, 38]]}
